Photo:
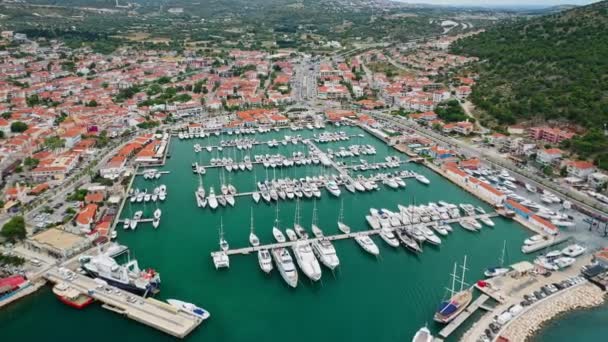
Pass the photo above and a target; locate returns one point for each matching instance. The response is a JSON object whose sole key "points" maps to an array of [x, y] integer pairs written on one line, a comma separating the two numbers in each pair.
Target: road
{"points": [[579, 199]]}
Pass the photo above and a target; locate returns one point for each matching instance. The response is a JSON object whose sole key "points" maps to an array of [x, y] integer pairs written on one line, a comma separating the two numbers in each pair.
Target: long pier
{"points": [[248, 250], [151, 312], [457, 322]]}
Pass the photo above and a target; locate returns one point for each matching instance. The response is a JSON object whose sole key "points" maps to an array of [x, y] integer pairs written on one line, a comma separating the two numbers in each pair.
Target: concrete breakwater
{"points": [[526, 325]]}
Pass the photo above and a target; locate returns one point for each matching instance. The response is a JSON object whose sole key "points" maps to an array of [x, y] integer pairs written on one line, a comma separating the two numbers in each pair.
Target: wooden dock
{"points": [[248, 250], [150, 312], [457, 322]]}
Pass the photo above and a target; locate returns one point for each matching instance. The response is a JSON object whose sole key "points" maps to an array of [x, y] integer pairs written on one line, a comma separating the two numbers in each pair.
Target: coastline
{"points": [[526, 326]]}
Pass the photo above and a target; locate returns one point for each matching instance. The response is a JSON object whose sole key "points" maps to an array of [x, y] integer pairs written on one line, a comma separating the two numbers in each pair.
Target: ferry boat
{"points": [[71, 296], [458, 301], [128, 277], [189, 308]]}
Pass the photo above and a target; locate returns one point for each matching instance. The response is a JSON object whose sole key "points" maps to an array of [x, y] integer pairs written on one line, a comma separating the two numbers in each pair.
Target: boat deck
{"points": [[457, 322], [150, 312]]}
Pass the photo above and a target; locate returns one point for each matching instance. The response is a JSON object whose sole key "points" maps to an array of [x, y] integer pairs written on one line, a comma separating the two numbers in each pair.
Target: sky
{"points": [[491, 3]]}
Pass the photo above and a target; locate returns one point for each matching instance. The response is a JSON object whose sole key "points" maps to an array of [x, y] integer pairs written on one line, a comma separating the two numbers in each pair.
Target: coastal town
{"points": [[96, 147]]}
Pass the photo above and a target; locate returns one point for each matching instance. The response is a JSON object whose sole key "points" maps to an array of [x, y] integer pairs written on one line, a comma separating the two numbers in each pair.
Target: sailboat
{"points": [[276, 230], [341, 226], [458, 301], [253, 239], [498, 270], [223, 243], [299, 230]]}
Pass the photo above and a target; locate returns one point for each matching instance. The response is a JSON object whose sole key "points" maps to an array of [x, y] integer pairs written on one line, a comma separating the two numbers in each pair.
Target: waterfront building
{"points": [[58, 243]]}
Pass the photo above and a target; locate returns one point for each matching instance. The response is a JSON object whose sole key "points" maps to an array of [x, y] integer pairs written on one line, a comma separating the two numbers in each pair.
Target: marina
{"points": [[188, 235]]}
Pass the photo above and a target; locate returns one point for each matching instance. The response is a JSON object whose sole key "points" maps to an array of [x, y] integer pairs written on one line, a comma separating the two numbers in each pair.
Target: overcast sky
{"points": [[487, 3]]}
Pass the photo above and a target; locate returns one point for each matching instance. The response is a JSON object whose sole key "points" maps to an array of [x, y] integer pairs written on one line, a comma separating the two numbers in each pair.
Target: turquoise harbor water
{"points": [[384, 299]]}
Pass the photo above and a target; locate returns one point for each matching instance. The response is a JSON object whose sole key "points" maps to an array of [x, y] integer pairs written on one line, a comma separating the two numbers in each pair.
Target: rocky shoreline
{"points": [[529, 323]]}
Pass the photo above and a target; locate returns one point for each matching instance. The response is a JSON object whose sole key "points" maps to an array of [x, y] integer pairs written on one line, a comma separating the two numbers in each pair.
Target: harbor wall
{"points": [[522, 327]]}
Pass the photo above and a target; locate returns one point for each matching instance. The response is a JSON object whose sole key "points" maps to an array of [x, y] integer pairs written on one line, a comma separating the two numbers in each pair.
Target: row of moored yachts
{"points": [[158, 193]]}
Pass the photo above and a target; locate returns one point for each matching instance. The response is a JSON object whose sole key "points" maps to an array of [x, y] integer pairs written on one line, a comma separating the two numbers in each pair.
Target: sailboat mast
{"points": [[464, 268], [453, 289], [251, 219]]}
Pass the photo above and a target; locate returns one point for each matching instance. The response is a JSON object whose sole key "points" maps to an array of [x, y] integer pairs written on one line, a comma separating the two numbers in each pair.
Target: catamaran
{"points": [[458, 300]]}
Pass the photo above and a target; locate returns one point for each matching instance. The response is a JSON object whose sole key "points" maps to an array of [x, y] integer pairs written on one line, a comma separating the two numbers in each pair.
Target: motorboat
{"points": [[470, 224], [286, 267], [256, 196], [563, 262], [422, 179], [307, 261], [423, 335], [265, 260], [189, 308], [487, 221], [367, 244], [372, 221], [388, 237], [326, 253], [300, 231], [333, 188], [430, 236], [532, 240], [157, 213], [407, 241], [126, 224], [573, 250], [440, 229]]}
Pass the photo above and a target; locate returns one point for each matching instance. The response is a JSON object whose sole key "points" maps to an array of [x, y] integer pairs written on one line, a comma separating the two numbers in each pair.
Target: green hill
{"points": [[553, 67]]}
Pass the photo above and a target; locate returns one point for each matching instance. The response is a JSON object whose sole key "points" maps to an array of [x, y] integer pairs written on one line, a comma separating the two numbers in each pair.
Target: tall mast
{"points": [[452, 290], [464, 268], [341, 216], [251, 219], [296, 219]]}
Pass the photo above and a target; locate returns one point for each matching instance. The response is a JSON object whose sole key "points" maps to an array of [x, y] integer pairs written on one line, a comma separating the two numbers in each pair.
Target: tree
{"points": [[18, 127], [14, 230], [92, 103], [6, 115], [30, 162], [54, 142], [2, 135]]}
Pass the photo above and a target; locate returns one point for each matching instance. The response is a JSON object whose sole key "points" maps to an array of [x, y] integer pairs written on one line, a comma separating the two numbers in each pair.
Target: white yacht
{"points": [[372, 221], [341, 226], [367, 244], [253, 239], [423, 335], [388, 237], [284, 263], [265, 260], [212, 199], [256, 196], [189, 308], [307, 261], [325, 251], [430, 236], [573, 250], [278, 235], [487, 221], [470, 224], [333, 188], [422, 179], [223, 243]]}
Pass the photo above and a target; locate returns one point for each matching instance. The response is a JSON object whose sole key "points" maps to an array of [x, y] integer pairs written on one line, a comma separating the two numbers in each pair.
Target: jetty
{"points": [[248, 250], [470, 310], [148, 311], [551, 241]]}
